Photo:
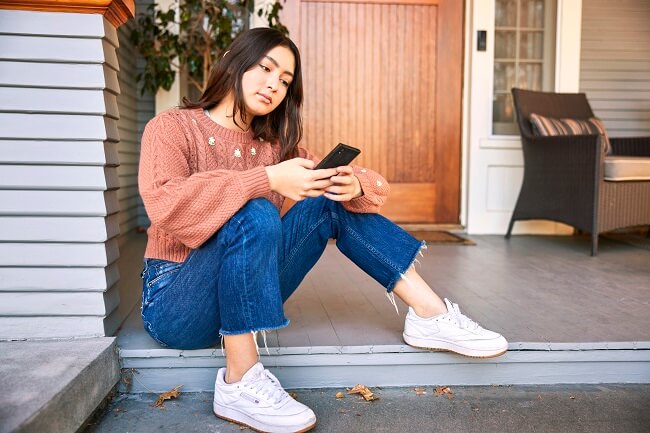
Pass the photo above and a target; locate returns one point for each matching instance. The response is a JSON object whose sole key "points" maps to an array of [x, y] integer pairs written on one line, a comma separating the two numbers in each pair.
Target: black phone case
{"points": [[342, 154]]}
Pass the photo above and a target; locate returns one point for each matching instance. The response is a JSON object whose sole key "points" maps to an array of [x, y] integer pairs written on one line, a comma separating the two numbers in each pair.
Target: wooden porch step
{"points": [[158, 370]]}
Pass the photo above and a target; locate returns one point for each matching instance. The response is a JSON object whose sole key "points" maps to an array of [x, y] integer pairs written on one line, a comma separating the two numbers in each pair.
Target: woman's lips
{"points": [[266, 98]]}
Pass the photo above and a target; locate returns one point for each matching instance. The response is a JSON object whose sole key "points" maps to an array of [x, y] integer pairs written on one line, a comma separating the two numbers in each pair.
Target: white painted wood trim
{"points": [[57, 127], [57, 50], [59, 254], [58, 203], [47, 327], [498, 158], [48, 279], [59, 177], [469, 45], [56, 24], [58, 303], [375, 367], [85, 153], [58, 229], [66, 101], [59, 75], [567, 46]]}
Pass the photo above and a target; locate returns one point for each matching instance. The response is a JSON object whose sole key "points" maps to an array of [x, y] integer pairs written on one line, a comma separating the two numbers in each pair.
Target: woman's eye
{"points": [[264, 68], [285, 83]]}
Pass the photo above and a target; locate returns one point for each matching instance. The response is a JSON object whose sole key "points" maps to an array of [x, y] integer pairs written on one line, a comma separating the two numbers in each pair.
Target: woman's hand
{"points": [[295, 179], [345, 185]]}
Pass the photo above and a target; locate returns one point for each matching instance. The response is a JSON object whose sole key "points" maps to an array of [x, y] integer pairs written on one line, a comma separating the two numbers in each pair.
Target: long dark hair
{"points": [[282, 125]]}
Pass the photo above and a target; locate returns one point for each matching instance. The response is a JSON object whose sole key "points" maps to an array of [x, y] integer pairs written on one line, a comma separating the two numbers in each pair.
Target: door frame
{"points": [[492, 165]]}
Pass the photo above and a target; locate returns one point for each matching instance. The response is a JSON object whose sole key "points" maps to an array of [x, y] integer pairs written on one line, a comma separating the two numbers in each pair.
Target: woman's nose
{"points": [[273, 84]]}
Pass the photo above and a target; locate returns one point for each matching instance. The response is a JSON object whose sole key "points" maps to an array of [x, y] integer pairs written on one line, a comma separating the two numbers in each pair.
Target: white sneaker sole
{"points": [[422, 343], [238, 417]]}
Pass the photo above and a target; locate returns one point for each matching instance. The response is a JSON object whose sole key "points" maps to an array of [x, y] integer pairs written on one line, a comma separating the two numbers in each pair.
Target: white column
{"points": [[58, 175]]}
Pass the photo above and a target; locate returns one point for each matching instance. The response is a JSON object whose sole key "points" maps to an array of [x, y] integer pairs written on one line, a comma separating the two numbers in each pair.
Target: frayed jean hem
{"points": [[400, 274], [256, 329]]}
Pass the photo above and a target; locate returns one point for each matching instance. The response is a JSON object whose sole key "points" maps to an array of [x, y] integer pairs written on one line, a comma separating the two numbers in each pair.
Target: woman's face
{"points": [[266, 84]]}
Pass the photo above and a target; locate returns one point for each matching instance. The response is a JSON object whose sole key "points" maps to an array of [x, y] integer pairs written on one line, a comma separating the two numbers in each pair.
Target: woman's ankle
{"points": [[241, 355], [235, 373]]}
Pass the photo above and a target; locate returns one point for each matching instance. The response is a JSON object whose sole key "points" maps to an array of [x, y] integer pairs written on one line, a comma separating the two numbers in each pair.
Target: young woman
{"points": [[220, 260]]}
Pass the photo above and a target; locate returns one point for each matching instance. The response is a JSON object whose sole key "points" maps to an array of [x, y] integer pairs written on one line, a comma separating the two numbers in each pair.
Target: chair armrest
{"points": [[630, 146], [575, 156], [562, 177]]}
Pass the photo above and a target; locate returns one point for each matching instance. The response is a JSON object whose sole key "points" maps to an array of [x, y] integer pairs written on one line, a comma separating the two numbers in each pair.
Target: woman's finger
{"points": [[321, 184], [342, 180], [323, 173], [314, 193], [339, 190], [337, 197], [345, 169]]}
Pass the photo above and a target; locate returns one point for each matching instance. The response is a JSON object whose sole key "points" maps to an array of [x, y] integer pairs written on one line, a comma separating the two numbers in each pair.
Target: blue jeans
{"points": [[237, 281]]}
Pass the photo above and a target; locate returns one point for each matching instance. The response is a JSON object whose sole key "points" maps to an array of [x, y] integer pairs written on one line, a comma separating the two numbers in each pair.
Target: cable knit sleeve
{"points": [[375, 188], [189, 206]]}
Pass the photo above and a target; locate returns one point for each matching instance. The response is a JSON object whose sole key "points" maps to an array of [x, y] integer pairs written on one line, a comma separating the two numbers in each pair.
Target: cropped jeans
{"points": [[237, 281]]}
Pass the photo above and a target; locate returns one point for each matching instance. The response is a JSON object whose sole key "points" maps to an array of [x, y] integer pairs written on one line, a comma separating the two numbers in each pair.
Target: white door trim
{"points": [[492, 164]]}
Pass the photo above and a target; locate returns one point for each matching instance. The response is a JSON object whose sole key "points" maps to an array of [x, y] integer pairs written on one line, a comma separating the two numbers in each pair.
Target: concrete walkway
{"points": [[516, 409]]}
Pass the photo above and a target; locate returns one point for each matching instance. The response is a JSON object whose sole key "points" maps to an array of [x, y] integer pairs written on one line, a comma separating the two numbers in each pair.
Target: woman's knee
{"points": [[260, 217]]}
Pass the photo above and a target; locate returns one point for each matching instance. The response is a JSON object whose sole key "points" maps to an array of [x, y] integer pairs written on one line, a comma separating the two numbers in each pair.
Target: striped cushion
{"points": [[546, 126]]}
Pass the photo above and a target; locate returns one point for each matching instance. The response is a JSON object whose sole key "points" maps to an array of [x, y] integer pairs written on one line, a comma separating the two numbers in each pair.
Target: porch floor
{"points": [[543, 293]]}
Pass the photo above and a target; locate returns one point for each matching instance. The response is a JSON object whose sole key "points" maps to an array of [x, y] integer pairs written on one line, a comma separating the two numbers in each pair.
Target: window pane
{"points": [[531, 45], [505, 45], [504, 119], [529, 76], [524, 41], [506, 13], [504, 76], [531, 14]]}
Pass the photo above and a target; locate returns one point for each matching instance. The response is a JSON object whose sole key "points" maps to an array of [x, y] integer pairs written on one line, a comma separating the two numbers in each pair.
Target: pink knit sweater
{"points": [[195, 175]]}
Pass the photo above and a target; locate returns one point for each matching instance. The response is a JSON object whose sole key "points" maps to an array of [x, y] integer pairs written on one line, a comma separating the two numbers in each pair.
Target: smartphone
{"points": [[342, 154]]}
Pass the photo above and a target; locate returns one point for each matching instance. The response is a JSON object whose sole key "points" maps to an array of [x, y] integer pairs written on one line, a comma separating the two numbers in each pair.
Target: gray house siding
{"points": [[615, 63], [135, 110], [129, 146], [59, 175], [146, 109]]}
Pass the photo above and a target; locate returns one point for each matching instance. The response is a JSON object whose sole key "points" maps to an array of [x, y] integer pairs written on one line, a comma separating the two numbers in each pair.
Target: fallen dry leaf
{"points": [[420, 391], [340, 395], [364, 391], [444, 390], [173, 393], [293, 395]]}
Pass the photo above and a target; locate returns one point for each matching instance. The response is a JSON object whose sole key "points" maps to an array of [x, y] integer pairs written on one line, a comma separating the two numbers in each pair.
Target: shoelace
{"points": [[268, 385], [464, 321]]}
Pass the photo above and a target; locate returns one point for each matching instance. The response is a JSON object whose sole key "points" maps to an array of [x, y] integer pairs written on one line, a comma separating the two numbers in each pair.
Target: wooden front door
{"points": [[385, 76]]}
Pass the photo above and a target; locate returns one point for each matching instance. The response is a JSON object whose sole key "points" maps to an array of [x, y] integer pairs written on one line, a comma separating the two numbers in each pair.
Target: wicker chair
{"points": [[564, 176]]}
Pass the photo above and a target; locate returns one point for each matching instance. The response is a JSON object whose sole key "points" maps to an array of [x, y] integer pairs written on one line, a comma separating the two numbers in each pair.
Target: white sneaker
{"points": [[259, 402], [452, 331]]}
